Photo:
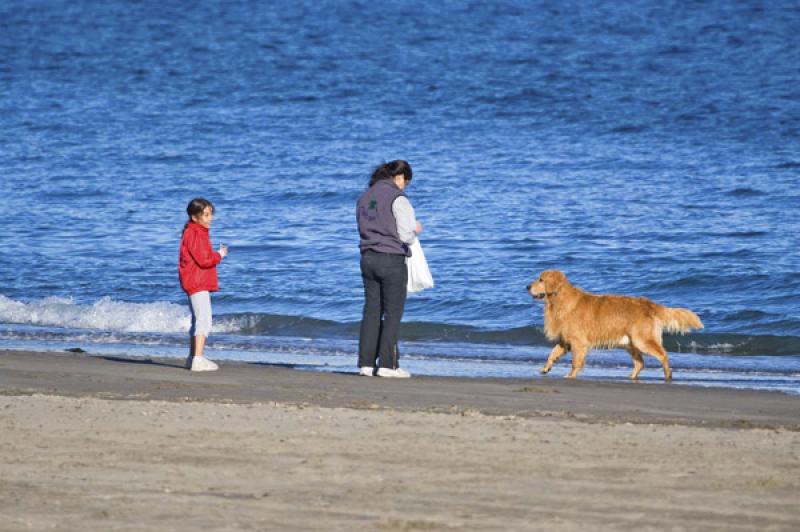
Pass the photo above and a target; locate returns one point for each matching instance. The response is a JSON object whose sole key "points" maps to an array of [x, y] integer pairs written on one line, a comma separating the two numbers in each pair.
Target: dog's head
{"points": [[549, 283]]}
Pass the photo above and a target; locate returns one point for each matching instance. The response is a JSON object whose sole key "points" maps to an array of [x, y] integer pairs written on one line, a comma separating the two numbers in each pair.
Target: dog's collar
{"points": [[546, 294]]}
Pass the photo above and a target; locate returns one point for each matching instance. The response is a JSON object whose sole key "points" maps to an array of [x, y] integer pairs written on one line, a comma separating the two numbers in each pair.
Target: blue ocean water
{"points": [[647, 148]]}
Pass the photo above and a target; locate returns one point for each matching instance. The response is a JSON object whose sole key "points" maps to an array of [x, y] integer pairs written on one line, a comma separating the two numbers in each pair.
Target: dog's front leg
{"points": [[578, 357], [557, 352]]}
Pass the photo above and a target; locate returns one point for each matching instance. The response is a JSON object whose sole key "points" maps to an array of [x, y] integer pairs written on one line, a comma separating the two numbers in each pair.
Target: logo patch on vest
{"points": [[370, 212]]}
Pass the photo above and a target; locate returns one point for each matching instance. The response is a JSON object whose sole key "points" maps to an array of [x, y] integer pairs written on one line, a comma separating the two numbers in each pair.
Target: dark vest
{"points": [[376, 223]]}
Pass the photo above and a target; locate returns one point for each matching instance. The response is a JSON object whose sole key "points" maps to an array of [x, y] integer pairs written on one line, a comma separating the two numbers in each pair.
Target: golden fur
{"points": [[578, 321]]}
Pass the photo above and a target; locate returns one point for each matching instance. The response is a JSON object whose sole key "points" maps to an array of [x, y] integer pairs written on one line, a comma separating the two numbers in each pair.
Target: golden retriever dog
{"points": [[578, 321]]}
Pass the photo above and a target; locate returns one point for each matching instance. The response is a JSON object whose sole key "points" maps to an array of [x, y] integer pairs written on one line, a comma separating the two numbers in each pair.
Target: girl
{"points": [[197, 269], [386, 225]]}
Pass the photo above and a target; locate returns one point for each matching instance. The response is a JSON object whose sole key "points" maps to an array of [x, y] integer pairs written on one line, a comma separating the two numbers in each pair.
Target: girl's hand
{"points": [[223, 250], [419, 227]]}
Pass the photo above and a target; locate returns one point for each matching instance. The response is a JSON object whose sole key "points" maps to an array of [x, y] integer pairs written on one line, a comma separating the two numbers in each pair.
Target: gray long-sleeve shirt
{"points": [[406, 219]]}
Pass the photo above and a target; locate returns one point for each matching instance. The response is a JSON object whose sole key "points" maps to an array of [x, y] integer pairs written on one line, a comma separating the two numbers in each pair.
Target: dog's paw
{"points": [[544, 371]]}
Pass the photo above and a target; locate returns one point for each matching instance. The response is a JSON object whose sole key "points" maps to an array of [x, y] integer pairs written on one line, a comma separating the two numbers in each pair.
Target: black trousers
{"points": [[385, 278]]}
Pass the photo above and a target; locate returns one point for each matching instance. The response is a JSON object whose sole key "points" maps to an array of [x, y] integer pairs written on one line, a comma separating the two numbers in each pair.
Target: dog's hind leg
{"points": [[654, 348], [557, 352], [638, 361], [578, 358]]}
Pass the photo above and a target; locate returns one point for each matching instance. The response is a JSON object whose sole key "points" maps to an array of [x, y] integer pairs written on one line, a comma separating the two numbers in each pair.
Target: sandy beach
{"points": [[114, 443]]}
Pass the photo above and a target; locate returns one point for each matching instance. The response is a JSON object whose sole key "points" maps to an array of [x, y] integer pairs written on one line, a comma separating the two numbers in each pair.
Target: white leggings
{"points": [[200, 304]]}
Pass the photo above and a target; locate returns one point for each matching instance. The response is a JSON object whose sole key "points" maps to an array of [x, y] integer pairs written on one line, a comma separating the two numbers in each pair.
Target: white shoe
{"points": [[398, 373], [203, 364], [366, 371]]}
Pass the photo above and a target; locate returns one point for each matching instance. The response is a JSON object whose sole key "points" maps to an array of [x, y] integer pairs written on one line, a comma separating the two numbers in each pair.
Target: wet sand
{"points": [[101, 443]]}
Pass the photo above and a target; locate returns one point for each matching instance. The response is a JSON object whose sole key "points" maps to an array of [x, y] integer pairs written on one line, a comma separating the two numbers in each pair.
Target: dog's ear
{"points": [[554, 280]]}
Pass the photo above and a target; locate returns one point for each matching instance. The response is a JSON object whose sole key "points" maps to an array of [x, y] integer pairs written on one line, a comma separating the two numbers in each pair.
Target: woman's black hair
{"points": [[391, 169], [196, 208]]}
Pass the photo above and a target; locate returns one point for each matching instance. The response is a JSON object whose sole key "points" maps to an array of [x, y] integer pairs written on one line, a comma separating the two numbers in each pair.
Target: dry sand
{"points": [[92, 443]]}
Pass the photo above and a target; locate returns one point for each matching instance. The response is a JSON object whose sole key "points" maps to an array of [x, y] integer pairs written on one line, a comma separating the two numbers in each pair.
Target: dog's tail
{"points": [[678, 320]]}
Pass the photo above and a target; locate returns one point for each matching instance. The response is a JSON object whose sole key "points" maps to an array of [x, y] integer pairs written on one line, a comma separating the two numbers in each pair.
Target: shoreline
{"points": [[118, 377], [101, 443], [332, 355]]}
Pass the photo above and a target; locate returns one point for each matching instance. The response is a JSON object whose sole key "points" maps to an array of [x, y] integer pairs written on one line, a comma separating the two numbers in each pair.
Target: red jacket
{"points": [[197, 263]]}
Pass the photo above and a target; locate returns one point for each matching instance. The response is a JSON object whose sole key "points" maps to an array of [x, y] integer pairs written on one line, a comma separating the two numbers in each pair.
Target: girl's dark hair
{"points": [[391, 169], [196, 207]]}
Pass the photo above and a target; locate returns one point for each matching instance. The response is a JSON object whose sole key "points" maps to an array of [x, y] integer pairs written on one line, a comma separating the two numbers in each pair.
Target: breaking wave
{"points": [[105, 317]]}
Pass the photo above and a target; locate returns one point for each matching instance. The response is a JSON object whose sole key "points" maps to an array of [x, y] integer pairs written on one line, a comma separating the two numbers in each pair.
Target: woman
{"points": [[387, 225]]}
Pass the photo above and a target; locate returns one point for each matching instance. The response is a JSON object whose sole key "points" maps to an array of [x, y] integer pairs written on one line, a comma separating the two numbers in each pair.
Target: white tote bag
{"points": [[419, 276]]}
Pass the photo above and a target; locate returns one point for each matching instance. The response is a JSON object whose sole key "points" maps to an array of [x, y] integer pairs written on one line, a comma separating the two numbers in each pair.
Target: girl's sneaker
{"points": [[203, 364], [366, 371]]}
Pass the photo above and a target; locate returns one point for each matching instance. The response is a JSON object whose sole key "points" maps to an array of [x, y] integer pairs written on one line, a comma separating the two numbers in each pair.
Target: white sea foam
{"points": [[105, 314], [719, 347]]}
